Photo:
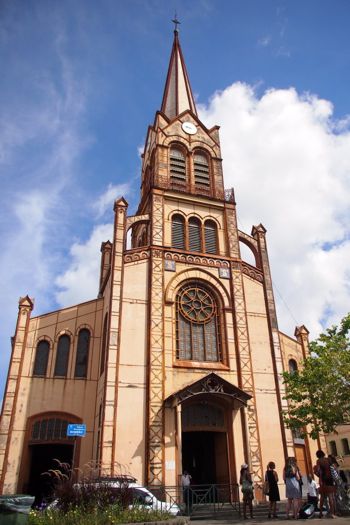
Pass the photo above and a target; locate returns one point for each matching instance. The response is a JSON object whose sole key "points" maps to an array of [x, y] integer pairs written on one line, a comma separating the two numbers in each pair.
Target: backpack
{"points": [[307, 511]]}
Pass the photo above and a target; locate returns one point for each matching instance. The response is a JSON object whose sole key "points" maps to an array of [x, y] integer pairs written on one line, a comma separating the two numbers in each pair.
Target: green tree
{"points": [[318, 393]]}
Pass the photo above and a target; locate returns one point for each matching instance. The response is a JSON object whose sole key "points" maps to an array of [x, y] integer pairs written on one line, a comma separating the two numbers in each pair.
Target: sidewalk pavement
{"points": [[237, 520]]}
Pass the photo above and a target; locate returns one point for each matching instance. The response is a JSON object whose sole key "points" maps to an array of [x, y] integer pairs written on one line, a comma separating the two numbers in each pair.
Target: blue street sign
{"points": [[77, 430]]}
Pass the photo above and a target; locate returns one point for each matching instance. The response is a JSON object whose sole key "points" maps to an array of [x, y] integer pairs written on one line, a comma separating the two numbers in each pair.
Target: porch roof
{"points": [[212, 385]]}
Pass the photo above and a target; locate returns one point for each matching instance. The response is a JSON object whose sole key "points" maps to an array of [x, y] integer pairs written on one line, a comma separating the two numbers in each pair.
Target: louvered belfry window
{"points": [[197, 324], [62, 356], [210, 236], [194, 235], [178, 232], [201, 169], [177, 166], [41, 358]]}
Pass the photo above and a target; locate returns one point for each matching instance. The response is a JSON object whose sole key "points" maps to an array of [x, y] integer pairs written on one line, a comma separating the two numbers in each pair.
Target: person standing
{"points": [[246, 482], [274, 494], [186, 479], [322, 469], [291, 477], [312, 494], [341, 498]]}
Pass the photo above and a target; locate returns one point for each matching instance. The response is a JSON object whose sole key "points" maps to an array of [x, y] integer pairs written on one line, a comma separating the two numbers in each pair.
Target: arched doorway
{"points": [[47, 448], [204, 442], [205, 411]]}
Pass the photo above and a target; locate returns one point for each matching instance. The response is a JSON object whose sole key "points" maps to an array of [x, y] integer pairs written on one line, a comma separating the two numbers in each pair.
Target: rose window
{"points": [[197, 305]]}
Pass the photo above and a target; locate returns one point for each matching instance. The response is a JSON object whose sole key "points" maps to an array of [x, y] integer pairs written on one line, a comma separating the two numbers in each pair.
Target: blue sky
{"points": [[81, 81]]}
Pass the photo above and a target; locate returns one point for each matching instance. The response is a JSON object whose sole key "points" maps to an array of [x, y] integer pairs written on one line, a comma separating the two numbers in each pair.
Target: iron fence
{"points": [[200, 500]]}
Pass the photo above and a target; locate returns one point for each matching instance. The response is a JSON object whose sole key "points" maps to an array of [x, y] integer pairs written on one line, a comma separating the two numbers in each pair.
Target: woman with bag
{"points": [[291, 477], [246, 482], [271, 488]]}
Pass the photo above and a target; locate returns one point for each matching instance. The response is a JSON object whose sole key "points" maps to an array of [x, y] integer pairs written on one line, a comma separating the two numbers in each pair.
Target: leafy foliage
{"points": [[110, 515], [318, 393]]}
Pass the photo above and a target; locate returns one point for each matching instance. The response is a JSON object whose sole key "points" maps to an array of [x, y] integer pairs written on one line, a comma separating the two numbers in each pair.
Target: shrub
{"points": [[71, 490], [91, 501], [110, 515]]}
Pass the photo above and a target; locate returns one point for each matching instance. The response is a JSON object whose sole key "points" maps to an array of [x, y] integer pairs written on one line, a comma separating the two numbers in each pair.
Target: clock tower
{"points": [[200, 360]]}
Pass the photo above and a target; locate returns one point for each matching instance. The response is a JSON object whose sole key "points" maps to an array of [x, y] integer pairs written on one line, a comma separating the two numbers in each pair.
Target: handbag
{"points": [[266, 488], [247, 487]]}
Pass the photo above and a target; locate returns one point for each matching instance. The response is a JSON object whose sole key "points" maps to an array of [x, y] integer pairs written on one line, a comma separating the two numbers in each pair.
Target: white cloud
{"points": [[288, 161], [105, 201], [264, 41], [80, 281], [42, 137]]}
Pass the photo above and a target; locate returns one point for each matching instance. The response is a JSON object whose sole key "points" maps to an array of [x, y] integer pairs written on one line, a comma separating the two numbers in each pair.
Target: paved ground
{"points": [[344, 520]]}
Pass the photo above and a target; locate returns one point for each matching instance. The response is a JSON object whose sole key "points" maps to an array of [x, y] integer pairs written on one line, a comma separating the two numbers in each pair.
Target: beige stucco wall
{"points": [[292, 349], [268, 409], [132, 376]]}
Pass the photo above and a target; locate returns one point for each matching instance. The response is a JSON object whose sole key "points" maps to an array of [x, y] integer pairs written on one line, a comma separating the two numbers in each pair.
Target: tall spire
{"points": [[177, 93]]}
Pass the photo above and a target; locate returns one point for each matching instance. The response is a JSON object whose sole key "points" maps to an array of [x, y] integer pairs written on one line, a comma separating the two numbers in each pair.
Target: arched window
{"points": [[210, 236], [62, 356], [177, 165], [202, 414], [292, 365], [49, 429], [201, 169], [345, 445], [197, 324], [81, 363], [178, 232], [194, 235], [41, 358], [333, 448], [104, 345]]}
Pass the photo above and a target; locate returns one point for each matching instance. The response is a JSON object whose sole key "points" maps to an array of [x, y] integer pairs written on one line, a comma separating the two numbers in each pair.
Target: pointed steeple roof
{"points": [[178, 94]]}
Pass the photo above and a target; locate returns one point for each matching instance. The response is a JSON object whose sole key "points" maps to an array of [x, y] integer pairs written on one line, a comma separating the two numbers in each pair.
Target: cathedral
{"points": [[176, 365]]}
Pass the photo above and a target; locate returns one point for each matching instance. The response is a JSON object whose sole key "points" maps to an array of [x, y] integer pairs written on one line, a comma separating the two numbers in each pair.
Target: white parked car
{"points": [[140, 496], [143, 496]]}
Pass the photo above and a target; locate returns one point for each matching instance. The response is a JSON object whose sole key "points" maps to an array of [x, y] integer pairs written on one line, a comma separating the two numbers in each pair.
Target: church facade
{"points": [[177, 364]]}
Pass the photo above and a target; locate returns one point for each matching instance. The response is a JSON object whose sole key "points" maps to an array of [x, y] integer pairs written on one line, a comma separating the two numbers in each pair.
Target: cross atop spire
{"points": [[178, 94], [176, 22]]}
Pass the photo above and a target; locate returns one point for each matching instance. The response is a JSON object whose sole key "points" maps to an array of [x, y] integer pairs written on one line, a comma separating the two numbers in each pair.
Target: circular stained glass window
{"points": [[196, 304]]}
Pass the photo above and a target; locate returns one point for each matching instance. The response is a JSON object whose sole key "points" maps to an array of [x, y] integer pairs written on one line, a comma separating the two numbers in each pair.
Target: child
{"points": [[312, 492]]}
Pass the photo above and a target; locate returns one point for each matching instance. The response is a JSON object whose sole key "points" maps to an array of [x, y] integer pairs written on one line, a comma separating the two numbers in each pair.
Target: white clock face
{"points": [[189, 128]]}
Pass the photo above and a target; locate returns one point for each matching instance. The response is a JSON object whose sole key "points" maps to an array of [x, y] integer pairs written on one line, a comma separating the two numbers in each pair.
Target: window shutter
{"points": [[81, 363], [62, 356], [178, 232], [177, 166], [201, 169], [41, 358], [210, 237], [104, 345], [194, 235]]}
